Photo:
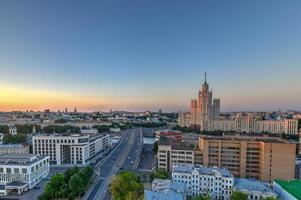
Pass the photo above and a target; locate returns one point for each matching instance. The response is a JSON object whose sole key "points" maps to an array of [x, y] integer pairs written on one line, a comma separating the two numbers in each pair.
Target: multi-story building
{"points": [[255, 189], [205, 116], [218, 183], [263, 158], [69, 148], [184, 119], [169, 155], [203, 109], [13, 148], [21, 171]]}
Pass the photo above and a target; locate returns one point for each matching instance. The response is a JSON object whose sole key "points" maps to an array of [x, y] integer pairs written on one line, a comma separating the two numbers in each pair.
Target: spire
{"points": [[205, 78]]}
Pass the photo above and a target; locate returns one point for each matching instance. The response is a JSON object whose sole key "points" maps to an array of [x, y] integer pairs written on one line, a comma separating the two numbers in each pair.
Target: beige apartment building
{"points": [[169, 155], [250, 157]]}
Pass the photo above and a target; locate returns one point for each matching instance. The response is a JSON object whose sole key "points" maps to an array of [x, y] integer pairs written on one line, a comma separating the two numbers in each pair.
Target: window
{"points": [[16, 171], [1, 169], [8, 170], [24, 170]]}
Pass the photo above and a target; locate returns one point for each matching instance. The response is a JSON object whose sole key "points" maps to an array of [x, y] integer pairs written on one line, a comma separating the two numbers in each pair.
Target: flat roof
{"points": [[202, 170], [293, 187], [19, 159], [246, 137], [11, 146]]}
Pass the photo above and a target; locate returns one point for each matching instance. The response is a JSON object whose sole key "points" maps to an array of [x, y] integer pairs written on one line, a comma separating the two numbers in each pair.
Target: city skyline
{"points": [[141, 55]]}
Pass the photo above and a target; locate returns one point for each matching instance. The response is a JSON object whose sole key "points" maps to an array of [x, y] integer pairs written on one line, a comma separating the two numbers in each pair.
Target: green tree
{"points": [[14, 139], [161, 174], [70, 172], [76, 185], [204, 197], [55, 188], [86, 175], [237, 195], [126, 186], [155, 147]]}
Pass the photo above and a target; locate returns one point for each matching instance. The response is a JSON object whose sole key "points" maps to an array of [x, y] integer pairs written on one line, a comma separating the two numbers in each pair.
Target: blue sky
{"points": [[143, 54]]}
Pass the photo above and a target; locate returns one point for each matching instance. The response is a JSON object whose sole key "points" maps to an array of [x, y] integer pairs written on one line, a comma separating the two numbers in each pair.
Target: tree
{"points": [[76, 185], [14, 139], [237, 195], [204, 197], [56, 187], [155, 147], [161, 174], [126, 186]]}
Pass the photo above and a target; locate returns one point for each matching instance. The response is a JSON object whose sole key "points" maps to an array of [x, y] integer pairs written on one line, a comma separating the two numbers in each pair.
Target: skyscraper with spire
{"points": [[203, 109]]}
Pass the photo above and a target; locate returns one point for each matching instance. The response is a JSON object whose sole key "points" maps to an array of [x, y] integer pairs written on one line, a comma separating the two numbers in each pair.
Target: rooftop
{"points": [[293, 187], [19, 159], [251, 185], [11, 146], [202, 170], [154, 195], [231, 137], [165, 190]]}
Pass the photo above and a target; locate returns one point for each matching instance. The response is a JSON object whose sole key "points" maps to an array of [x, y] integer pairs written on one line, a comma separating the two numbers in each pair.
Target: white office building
{"points": [[218, 183], [21, 171], [72, 149]]}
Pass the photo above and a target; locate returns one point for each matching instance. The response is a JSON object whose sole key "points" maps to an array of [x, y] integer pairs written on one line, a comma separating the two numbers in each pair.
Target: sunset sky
{"points": [[149, 54]]}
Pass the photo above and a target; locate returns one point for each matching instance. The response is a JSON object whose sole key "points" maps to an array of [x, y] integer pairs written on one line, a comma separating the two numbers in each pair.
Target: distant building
{"points": [[205, 116], [13, 148], [184, 119], [89, 131], [253, 188], [13, 130], [21, 171], [288, 190], [218, 183], [74, 149], [115, 129], [169, 134], [165, 190]]}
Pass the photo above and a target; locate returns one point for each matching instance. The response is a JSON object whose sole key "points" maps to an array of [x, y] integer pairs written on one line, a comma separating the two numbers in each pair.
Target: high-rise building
{"points": [[205, 116], [202, 108]]}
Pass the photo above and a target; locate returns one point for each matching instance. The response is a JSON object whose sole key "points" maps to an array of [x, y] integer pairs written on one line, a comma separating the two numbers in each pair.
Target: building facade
{"points": [[262, 158], [69, 148], [22, 171], [218, 183], [184, 119], [169, 155]]}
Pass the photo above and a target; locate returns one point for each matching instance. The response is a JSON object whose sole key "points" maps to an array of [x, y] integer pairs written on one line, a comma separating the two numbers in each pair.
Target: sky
{"points": [[149, 54]]}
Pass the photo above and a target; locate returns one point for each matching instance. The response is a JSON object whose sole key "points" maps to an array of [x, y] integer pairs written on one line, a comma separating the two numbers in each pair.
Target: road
{"points": [[126, 156]]}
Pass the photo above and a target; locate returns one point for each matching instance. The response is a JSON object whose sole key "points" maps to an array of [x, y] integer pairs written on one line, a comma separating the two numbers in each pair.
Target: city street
{"points": [[125, 156]]}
